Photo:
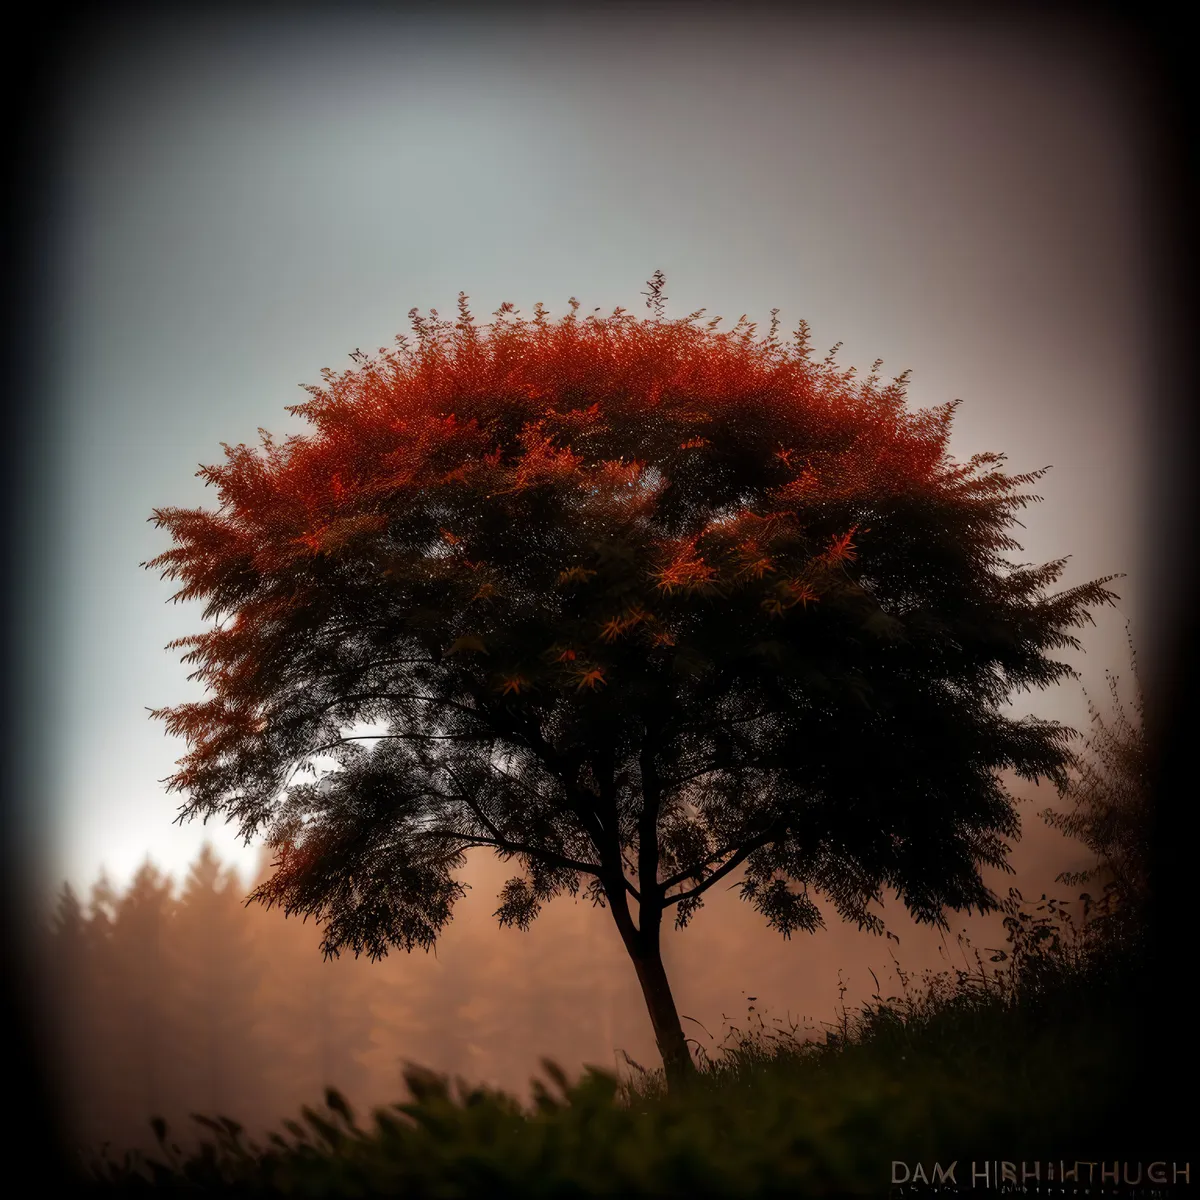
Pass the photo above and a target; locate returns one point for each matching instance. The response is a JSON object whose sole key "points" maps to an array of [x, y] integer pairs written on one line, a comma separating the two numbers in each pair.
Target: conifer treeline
{"points": [[173, 1000]]}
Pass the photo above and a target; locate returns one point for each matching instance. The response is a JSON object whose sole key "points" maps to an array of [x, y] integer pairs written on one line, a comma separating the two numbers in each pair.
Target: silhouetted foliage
{"points": [[640, 604], [1111, 807], [140, 963]]}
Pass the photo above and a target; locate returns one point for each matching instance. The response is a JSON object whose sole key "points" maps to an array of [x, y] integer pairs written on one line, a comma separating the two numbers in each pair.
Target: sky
{"points": [[243, 202]]}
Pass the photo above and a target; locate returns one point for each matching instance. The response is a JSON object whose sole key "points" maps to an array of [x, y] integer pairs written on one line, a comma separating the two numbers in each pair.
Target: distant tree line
{"points": [[169, 1001]]}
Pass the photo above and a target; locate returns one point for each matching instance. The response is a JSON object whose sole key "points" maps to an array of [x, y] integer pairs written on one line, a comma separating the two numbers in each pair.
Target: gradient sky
{"points": [[243, 203]]}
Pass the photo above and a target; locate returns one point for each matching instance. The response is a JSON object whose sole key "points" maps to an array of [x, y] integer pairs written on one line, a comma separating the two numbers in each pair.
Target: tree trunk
{"points": [[644, 949], [664, 1017]]}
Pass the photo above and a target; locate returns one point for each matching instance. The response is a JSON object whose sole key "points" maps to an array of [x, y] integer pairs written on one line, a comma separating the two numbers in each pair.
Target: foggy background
{"points": [[241, 202]]}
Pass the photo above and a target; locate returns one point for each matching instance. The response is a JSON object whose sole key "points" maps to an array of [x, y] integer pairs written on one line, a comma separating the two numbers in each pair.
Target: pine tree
{"points": [[140, 989], [220, 1057], [72, 987]]}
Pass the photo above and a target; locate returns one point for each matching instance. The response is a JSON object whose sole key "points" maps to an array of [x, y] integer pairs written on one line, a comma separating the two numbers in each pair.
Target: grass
{"points": [[1032, 1060]]}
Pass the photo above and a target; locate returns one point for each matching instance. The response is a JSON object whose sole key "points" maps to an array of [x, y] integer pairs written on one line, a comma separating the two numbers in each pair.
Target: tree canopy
{"points": [[639, 603]]}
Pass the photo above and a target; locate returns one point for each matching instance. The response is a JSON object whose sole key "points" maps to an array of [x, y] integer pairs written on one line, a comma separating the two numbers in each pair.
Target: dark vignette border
{"points": [[1142, 41]]}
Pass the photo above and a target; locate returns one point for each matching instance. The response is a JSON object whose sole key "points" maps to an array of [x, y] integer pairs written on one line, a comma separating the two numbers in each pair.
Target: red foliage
{"points": [[596, 478]]}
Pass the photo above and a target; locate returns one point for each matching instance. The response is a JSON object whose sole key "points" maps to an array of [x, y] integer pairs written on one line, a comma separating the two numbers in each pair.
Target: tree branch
{"points": [[648, 849], [502, 843], [401, 737], [592, 868], [358, 696], [682, 876], [672, 783], [462, 791], [551, 759], [675, 728], [736, 861]]}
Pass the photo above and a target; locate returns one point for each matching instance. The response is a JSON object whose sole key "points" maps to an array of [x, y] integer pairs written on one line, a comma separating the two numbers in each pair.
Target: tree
{"points": [[71, 992], [142, 987], [640, 604], [220, 1057], [102, 1075], [1111, 810]]}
